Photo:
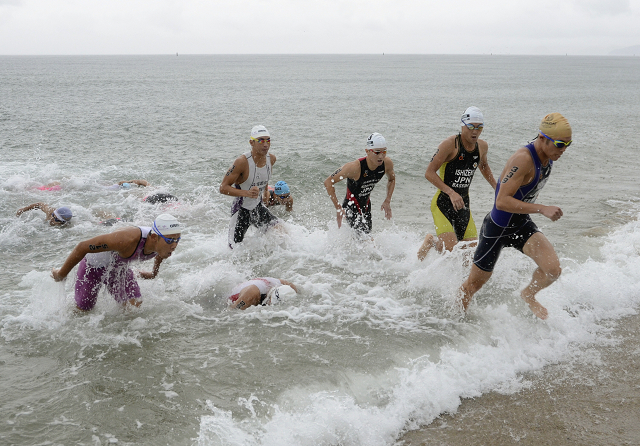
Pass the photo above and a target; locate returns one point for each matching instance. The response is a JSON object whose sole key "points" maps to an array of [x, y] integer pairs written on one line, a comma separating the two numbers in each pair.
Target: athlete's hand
{"points": [[551, 212], [339, 215], [386, 207], [254, 192], [55, 273], [146, 275], [456, 201]]}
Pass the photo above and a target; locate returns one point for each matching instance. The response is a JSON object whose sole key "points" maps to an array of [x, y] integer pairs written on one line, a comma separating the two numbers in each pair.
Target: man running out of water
{"points": [[261, 291], [451, 170], [106, 259], [246, 180], [509, 224], [362, 175], [56, 217]]}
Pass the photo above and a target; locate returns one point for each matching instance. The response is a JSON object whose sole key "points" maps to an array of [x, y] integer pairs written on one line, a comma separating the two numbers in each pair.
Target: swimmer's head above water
{"points": [[279, 294], [61, 216]]}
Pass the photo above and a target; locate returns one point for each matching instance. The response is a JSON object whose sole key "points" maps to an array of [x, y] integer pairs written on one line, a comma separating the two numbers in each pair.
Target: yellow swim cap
{"points": [[555, 126]]}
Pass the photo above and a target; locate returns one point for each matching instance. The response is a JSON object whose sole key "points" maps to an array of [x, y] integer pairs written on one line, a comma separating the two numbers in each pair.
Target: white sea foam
{"points": [[499, 341]]}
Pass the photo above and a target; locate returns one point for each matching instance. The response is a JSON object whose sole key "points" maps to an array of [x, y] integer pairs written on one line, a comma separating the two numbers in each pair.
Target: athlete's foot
{"points": [[128, 305], [426, 246], [535, 306], [77, 310]]}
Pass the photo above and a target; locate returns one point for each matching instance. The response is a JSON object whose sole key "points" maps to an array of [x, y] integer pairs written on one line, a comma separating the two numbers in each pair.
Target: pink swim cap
{"points": [[50, 188]]}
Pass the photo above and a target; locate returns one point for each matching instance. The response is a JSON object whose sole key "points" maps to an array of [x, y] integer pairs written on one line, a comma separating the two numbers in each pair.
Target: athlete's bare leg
{"points": [[429, 242], [467, 255], [477, 278], [446, 240], [541, 251]]}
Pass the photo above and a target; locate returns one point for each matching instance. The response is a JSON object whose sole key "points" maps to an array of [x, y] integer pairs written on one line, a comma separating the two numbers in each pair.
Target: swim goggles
{"points": [[471, 126], [261, 139], [57, 220], [169, 241], [556, 142]]}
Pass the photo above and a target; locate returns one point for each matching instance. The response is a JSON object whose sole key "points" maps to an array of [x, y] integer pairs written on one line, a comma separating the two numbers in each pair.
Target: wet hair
{"points": [[159, 198]]}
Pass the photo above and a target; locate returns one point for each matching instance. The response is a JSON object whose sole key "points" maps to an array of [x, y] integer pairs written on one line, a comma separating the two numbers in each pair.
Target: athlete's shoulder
{"points": [[355, 164], [448, 148], [449, 142], [242, 161], [352, 169], [483, 145], [272, 157], [522, 158]]}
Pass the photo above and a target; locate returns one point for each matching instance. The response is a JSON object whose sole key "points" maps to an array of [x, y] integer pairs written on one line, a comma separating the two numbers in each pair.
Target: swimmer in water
{"points": [[278, 195], [54, 186], [56, 217], [127, 184], [105, 259], [159, 198], [261, 291]]}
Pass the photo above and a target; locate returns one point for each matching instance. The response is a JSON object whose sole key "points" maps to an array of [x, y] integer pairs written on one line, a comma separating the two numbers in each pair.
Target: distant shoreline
{"points": [[615, 53]]}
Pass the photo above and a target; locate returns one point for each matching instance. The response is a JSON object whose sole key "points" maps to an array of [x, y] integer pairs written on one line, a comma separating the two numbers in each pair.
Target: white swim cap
{"points": [[63, 214], [376, 141], [259, 131], [166, 224], [280, 294], [472, 115]]}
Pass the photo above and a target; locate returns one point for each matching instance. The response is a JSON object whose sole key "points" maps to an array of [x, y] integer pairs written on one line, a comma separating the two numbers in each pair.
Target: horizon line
{"points": [[177, 53]]}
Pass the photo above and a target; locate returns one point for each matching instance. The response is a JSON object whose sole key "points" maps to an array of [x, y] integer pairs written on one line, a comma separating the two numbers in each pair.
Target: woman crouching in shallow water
{"points": [[105, 259]]}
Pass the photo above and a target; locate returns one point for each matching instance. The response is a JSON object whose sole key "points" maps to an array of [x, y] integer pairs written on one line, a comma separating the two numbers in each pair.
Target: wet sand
{"points": [[594, 401]]}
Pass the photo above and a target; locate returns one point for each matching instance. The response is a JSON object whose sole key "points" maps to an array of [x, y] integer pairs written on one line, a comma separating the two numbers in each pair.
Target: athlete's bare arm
{"points": [[237, 174], [44, 207], [123, 242], [248, 296], [156, 268], [518, 171], [349, 170], [391, 185], [446, 152], [483, 147], [286, 282], [142, 183]]}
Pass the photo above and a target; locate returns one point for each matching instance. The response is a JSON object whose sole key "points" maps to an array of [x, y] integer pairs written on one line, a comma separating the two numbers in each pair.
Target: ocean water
{"points": [[374, 345]]}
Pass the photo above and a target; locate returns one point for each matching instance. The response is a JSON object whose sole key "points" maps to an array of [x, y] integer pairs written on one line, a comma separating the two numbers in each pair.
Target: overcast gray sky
{"points": [[579, 27]]}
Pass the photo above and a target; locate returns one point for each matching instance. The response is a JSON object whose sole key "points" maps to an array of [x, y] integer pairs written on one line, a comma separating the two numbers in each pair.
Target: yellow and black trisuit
{"points": [[457, 174]]}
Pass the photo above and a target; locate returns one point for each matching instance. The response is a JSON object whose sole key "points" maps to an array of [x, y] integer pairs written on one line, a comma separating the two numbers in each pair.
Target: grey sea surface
{"points": [[374, 346]]}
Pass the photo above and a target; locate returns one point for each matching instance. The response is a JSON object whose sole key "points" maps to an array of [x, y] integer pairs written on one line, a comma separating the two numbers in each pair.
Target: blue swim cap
{"points": [[126, 185], [64, 214], [281, 188]]}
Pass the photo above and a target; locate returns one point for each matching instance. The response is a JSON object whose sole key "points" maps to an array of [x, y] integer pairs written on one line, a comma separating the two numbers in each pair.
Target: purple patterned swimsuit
{"points": [[112, 270]]}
